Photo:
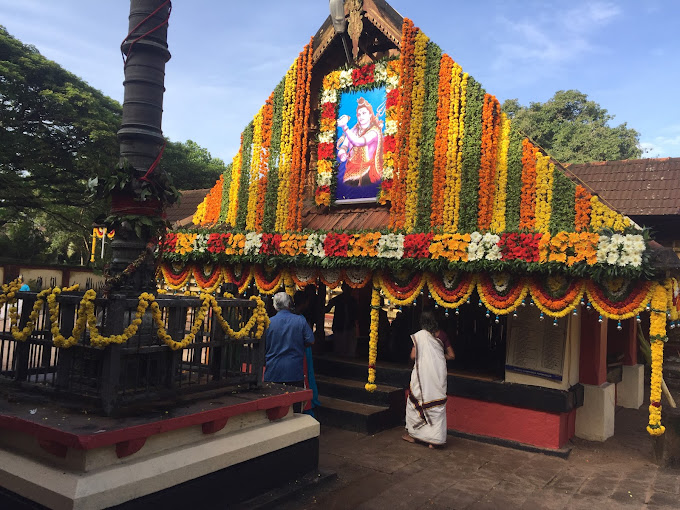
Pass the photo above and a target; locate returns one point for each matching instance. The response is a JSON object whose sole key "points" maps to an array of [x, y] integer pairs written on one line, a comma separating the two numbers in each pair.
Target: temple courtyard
{"points": [[383, 471]]}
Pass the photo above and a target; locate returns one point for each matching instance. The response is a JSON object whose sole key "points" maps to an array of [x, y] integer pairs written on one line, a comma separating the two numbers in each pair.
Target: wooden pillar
{"points": [[630, 352], [593, 356]]}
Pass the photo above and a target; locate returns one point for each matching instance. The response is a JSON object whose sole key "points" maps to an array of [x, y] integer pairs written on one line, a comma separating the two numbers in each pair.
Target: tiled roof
{"points": [[635, 187], [180, 215], [357, 217]]}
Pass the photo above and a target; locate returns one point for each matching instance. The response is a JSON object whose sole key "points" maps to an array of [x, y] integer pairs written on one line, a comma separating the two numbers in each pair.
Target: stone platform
{"points": [[236, 444]]}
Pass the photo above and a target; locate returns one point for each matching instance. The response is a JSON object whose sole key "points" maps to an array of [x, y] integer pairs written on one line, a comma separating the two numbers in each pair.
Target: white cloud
{"points": [[666, 144], [553, 37]]}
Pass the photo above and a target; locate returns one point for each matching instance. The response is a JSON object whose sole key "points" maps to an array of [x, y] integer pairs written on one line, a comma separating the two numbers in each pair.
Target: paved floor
{"points": [[383, 471]]}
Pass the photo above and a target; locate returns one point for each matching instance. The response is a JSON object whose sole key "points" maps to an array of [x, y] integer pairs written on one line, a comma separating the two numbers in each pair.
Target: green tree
{"points": [[55, 132], [573, 129], [191, 166]]}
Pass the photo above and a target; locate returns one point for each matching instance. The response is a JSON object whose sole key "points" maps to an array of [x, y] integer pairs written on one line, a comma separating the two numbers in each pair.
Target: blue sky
{"points": [[227, 56]]}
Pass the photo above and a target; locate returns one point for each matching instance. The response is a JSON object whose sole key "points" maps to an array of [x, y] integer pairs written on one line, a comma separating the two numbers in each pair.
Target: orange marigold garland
{"points": [[556, 296], [176, 275], [622, 300], [240, 275], [267, 120], [213, 203], [267, 281], [527, 213], [397, 208], [487, 170], [303, 276], [450, 289], [401, 289], [207, 276], [501, 293], [357, 277], [305, 132], [582, 218], [441, 141]]}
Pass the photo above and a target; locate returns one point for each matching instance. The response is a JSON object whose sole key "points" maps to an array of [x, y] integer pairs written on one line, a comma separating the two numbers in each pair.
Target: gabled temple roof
{"points": [[636, 187]]}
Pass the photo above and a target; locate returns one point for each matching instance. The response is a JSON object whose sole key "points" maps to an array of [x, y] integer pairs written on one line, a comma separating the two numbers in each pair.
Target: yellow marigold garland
{"points": [[418, 103], [233, 188], [373, 338], [657, 337], [544, 184], [286, 147], [255, 171], [498, 221]]}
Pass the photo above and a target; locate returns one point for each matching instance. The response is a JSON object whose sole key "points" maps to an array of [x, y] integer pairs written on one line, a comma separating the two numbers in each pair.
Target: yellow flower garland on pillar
{"points": [[255, 171], [500, 197], [657, 337], [373, 337]]}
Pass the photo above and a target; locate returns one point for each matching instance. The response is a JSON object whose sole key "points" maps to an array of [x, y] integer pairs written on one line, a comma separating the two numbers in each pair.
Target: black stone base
{"points": [[562, 453], [222, 489]]}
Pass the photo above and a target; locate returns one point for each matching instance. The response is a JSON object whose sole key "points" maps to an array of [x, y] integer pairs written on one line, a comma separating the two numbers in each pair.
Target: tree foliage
{"points": [[191, 166], [56, 133], [574, 129]]}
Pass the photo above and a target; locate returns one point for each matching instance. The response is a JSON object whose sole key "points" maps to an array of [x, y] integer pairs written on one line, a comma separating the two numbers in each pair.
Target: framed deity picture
{"points": [[359, 145]]}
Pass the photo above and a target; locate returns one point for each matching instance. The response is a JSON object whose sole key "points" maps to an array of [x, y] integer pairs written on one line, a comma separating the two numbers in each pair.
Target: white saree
{"points": [[426, 406]]}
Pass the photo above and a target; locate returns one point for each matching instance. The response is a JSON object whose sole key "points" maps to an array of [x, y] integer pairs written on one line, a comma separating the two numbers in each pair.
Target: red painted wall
{"points": [[537, 428]]}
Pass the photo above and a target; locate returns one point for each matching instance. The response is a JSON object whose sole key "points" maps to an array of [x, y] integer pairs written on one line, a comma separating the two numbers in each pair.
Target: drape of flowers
{"points": [[570, 252], [259, 189]]}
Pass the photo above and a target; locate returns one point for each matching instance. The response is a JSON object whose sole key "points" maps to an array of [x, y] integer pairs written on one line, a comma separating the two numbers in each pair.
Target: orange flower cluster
{"points": [[267, 117], [301, 109], [452, 247], [363, 245], [527, 211], [569, 248], [441, 141], [293, 244], [213, 203], [408, 47], [582, 218], [491, 117]]}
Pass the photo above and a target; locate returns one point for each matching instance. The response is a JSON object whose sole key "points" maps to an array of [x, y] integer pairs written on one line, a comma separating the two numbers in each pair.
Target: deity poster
{"points": [[359, 145]]}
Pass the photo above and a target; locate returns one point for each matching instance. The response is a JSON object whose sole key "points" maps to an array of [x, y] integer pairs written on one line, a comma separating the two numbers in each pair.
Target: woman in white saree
{"points": [[426, 405]]}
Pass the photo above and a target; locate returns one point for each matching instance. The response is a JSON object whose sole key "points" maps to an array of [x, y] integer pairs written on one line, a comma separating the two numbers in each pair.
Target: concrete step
{"points": [[356, 416]]}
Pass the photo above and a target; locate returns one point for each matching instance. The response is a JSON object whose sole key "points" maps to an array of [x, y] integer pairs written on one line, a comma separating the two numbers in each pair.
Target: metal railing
{"points": [[143, 368]]}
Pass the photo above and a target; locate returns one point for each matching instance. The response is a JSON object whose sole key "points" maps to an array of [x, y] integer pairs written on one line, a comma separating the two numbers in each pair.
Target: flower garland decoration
{"points": [[454, 154], [602, 216], [417, 104], [286, 147], [244, 185], [453, 247], [303, 276], [583, 208], [391, 129], [544, 186], [491, 116], [657, 338], [238, 274], [441, 144], [500, 195], [556, 296], [363, 245], [263, 172], [484, 247], [175, 275], [254, 172], [451, 289], [406, 76], [331, 278], [527, 211], [267, 281], [500, 292], [401, 289], [357, 277], [373, 338], [620, 250], [22, 334], [208, 276], [624, 305]]}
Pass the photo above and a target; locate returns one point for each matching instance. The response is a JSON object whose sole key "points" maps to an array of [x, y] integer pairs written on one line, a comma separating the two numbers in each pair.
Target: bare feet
{"points": [[408, 438], [431, 446]]}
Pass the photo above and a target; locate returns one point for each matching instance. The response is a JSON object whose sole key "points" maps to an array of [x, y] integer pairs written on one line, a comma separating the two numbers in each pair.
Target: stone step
{"points": [[355, 391], [365, 418], [388, 374]]}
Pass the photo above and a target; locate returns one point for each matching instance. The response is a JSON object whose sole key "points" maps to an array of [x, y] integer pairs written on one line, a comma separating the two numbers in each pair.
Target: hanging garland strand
{"points": [[373, 337], [657, 338]]}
